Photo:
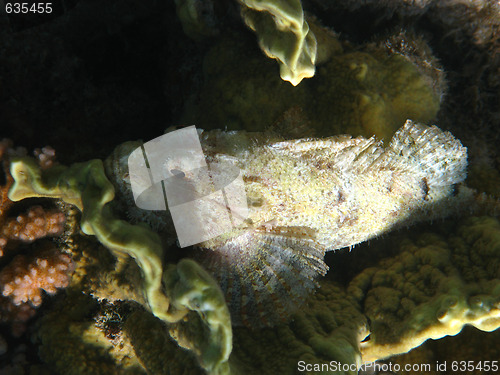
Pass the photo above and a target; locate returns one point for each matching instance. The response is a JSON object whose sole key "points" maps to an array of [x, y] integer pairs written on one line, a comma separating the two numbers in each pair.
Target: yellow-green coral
{"points": [[283, 35], [86, 186], [155, 349], [431, 287], [225, 103], [329, 328], [471, 344], [190, 286], [372, 93]]}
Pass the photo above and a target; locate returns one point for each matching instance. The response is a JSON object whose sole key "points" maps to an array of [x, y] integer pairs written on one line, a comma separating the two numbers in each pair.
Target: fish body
{"points": [[309, 196]]}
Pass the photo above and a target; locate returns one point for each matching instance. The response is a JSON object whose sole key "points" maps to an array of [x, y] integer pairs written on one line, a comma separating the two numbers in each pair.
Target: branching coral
{"points": [[24, 278], [5, 202], [431, 288], [400, 301], [461, 265], [34, 224], [37, 222]]}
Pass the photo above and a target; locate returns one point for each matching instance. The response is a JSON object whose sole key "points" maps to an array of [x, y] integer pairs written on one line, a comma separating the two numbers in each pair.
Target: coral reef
{"points": [[329, 328], [37, 222], [92, 75], [74, 344], [6, 151], [188, 287], [310, 196], [430, 288], [157, 350]]}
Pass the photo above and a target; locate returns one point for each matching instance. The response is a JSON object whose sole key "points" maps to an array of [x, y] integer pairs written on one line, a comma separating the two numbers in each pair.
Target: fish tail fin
{"points": [[429, 151]]}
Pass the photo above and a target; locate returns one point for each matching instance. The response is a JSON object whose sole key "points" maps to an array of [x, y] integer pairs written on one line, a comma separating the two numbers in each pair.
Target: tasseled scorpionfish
{"points": [[309, 196]]}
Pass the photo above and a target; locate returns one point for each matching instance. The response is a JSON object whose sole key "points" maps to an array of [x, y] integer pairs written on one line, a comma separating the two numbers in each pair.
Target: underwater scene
{"points": [[233, 187]]}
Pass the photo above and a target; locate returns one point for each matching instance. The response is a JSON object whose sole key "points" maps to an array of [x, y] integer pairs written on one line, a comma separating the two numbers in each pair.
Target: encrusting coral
{"points": [[72, 341], [384, 297], [432, 288], [477, 346]]}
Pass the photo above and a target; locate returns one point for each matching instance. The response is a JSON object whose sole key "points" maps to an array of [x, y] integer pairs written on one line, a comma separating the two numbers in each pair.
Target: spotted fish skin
{"points": [[309, 196]]}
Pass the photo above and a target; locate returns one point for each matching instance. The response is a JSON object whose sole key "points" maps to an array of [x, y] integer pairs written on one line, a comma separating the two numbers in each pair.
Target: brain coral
{"points": [[432, 288]]}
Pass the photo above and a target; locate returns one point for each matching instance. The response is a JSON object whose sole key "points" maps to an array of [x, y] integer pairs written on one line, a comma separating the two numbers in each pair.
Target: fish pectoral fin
{"points": [[266, 275]]}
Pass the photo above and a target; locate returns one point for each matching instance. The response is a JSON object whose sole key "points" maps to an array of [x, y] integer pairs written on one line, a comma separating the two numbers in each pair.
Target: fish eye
{"points": [[178, 173]]}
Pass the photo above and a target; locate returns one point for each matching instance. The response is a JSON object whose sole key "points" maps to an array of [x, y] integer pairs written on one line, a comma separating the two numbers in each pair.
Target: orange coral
{"points": [[24, 278], [36, 223]]}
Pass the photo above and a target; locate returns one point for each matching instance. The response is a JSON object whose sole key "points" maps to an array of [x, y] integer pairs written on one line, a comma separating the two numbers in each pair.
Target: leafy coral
{"points": [[283, 34], [432, 287]]}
